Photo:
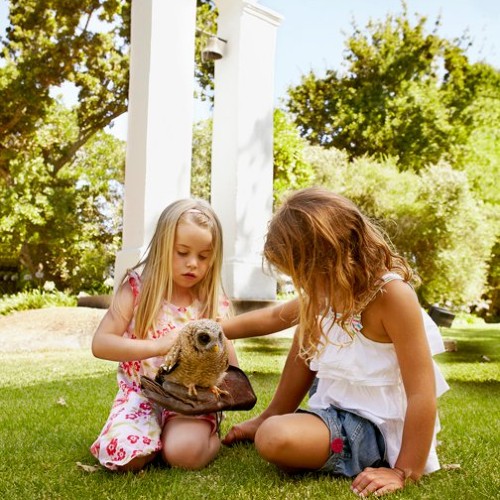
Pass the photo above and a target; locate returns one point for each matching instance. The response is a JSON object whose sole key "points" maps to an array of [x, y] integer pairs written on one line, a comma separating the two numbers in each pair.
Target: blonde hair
{"points": [[157, 268], [334, 255]]}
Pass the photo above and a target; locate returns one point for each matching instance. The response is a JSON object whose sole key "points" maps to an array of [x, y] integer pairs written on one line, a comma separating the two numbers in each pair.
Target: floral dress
{"points": [[135, 423]]}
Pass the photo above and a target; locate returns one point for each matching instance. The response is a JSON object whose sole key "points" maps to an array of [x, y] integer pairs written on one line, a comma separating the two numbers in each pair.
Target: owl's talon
{"points": [[218, 392], [192, 390]]}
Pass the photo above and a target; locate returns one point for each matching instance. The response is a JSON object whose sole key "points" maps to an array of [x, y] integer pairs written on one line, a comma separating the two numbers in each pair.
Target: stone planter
{"points": [[441, 316], [96, 301]]}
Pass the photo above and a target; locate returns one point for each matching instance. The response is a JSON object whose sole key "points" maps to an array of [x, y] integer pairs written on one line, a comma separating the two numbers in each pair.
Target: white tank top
{"points": [[363, 376]]}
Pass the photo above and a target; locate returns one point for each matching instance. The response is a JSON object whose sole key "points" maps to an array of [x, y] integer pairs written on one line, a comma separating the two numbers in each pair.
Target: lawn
{"points": [[54, 403]]}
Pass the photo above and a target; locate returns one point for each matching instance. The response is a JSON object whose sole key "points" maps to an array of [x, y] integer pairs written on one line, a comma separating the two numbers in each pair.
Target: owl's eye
{"points": [[204, 338]]}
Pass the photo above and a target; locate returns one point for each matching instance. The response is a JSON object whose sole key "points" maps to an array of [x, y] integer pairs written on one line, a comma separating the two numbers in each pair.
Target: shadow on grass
{"points": [[485, 392], [472, 345], [263, 345]]}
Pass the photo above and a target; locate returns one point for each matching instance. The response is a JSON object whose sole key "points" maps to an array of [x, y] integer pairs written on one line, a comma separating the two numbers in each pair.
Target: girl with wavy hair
{"points": [[363, 349]]}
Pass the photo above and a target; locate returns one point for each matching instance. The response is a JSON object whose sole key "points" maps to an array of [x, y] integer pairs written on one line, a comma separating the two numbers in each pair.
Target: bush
{"points": [[34, 299], [433, 218]]}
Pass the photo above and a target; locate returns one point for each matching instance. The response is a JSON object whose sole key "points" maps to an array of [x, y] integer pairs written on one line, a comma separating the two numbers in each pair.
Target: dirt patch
{"points": [[51, 328]]}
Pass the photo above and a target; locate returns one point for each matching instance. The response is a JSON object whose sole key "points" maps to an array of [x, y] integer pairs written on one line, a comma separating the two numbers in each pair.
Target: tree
{"points": [[290, 169], [405, 93], [54, 42], [60, 175], [64, 224]]}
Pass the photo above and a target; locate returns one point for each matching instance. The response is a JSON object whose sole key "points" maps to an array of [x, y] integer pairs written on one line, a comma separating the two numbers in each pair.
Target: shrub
{"points": [[34, 299], [433, 218]]}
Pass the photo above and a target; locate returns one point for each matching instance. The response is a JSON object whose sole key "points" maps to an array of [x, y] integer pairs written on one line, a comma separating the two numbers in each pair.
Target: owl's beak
{"points": [[215, 348]]}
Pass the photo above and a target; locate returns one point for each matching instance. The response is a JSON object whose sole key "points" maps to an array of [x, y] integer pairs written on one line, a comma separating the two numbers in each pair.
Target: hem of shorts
{"points": [[311, 412]]}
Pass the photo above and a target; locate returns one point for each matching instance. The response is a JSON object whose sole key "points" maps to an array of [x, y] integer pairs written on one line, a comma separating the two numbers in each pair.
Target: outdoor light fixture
{"points": [[214, 49]]}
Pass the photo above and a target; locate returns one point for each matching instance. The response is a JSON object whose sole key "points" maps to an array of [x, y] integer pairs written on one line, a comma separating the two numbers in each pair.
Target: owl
{"points": [[198, 358]]}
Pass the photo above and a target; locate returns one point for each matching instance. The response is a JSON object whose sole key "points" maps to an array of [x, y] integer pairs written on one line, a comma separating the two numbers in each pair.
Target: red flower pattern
{"points": [[131, 367], [111, 448], [337, 445]]}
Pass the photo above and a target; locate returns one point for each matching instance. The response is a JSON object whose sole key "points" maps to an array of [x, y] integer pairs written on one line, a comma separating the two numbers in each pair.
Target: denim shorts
{"points": [[355, 442]]}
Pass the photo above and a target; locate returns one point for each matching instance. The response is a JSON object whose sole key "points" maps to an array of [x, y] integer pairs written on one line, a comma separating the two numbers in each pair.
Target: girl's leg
{"points": [[131, 436], [137, 464], [189, 443], [294, 442]]}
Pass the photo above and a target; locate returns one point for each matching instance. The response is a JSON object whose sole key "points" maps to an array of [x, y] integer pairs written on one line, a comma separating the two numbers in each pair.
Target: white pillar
{"points": [[242, 147], [160, 119]]}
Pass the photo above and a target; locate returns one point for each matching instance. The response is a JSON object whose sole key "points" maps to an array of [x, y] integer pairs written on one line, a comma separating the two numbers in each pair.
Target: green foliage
{"points": [[60, 174], [490, 308], [206, 16], [64, 223], [432, 217], [479, 157], [404, 93], [34, 299], [290, 170], [84, 44], [450, 237], [54, 42], [201, 160]]}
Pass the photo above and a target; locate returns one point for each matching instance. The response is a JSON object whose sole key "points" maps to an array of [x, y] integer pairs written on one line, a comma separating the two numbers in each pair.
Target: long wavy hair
{"points": [[157, 266], [334, 255]]}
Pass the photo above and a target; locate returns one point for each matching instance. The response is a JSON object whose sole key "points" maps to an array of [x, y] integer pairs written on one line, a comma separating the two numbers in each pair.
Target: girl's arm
{"points": [[402, 321], [262, 321], [294, 383], [108, 341]]}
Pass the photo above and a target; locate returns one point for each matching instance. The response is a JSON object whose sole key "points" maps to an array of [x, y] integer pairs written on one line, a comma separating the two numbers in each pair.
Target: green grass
{"points": [[53, 405]]}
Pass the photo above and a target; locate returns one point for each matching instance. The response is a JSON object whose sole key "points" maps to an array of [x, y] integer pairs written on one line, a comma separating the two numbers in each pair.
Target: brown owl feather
{"points": [[198, 358]]}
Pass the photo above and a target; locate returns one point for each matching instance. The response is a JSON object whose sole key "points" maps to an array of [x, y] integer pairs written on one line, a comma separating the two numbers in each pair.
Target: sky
{"points": [[312, 33]]}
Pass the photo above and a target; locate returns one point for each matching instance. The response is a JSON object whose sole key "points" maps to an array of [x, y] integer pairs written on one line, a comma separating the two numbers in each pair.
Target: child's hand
{"points": [[166, 342], [379, 481]]}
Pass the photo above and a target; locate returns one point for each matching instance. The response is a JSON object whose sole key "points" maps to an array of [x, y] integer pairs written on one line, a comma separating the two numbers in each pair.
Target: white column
{"points": [[160, 119], [242, 148]]}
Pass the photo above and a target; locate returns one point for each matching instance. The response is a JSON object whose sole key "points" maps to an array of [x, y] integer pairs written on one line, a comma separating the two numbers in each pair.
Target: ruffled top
{"points": [[363, 376]]}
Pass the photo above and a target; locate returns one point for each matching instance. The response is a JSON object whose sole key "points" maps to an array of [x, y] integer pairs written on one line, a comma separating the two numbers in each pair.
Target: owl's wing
{"points": [[171, 359]]}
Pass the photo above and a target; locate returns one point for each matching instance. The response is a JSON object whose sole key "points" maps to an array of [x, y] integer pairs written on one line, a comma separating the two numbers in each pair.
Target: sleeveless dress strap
{"points": [[386, 278], [135, 283]]}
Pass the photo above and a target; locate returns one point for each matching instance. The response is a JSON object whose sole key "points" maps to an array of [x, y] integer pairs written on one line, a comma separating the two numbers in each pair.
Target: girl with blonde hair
{"points": [[363, 347], [177, 281]]}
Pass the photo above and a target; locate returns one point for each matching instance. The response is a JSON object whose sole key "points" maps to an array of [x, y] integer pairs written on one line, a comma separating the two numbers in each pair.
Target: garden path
{"points": [[51, 328], [56, 328]]}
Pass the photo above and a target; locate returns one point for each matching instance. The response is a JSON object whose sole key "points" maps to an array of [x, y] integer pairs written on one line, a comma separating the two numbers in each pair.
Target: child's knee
{"points": [[192, 454], [272, 439]]}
